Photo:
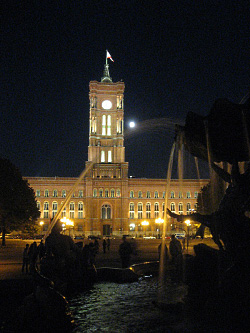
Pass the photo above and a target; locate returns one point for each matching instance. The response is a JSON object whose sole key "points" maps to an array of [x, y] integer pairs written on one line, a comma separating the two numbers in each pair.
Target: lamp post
{"points": [[188, 225], [145, 223], [159, 221], [41, 229], [67, 222]]}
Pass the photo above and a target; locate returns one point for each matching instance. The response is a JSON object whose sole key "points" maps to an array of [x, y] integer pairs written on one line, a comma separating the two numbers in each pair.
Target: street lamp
{"points": [[67, 222], [41, 224], [188, 225], [159, 221], [145, 223]]}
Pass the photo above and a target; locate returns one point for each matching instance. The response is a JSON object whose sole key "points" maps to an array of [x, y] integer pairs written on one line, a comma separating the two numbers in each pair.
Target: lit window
{"points": [[80, 194], [188, 195], [109, 125], [156, 195], [106, 212], [180, 207], [188, 208], [148, 210], [46, 193], [80, 210], [72, 210], [140, 194], [148, 195], [131, 194], [103, 125], [131, 210], [106, 193], [63, 214], [64, 193], [46, 210], [109, 156], [112, 193], [172, 194], [54, 208], [196, 195], [140, 210], [156, 206], [102, 156], [172, 207], [180, 194], [95, 193], [38, 193], [55, 194], [118, 193]]}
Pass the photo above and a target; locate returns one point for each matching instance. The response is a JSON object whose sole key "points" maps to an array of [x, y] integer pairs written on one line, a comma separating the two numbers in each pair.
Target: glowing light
{"points": [[159, 220], [145, 223], [188, 222], [132, 124]]}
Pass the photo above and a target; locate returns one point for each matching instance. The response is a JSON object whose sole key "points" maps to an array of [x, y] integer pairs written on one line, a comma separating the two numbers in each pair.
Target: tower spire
{"points": [[106, 77]]}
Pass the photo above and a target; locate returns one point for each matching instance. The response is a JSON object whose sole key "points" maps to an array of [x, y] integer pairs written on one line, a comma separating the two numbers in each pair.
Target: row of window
{"points": [[112, 193], [106, 209], [55, 194]]}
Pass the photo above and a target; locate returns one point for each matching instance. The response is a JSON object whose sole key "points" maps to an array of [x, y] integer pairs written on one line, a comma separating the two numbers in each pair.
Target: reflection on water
{"points": [[111, 307]]}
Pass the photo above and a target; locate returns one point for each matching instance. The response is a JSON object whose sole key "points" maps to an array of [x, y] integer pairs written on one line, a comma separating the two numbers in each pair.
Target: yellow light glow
{"points": [[132, 225], [159, 220], [41, 223], [145, 223], [187, 222]]}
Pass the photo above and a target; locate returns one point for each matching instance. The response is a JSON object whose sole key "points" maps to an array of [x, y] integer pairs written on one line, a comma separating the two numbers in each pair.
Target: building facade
{"points": [[106, 201]]}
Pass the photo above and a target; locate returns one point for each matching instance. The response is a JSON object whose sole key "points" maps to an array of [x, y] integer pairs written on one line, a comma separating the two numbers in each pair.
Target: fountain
{"points": [[220, 277]]}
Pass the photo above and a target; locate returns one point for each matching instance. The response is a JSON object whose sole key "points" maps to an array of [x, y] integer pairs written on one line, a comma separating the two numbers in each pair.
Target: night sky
{"points": [[174, 57]]}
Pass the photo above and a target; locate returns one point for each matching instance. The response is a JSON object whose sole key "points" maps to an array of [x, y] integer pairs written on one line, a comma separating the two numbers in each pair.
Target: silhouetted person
{"points": [[96, 245], [108, 244], [125, 252], [175, 250], [33, 252], [104, 245], [25, 259], [41, 250]]}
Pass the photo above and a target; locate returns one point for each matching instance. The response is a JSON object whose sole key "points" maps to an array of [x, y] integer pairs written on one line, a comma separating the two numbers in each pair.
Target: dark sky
{"points": [[174, 57]]}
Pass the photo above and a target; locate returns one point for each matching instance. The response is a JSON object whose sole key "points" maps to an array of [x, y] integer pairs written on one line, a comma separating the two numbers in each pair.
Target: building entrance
{"points": [[106, 230]]}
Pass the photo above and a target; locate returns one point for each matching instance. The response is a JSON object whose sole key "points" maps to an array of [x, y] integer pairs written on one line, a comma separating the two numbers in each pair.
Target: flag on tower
{"points": [[109, 56]]}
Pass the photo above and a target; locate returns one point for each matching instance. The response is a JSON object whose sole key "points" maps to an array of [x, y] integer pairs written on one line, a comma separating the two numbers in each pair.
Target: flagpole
{"points": [[106, 57]]}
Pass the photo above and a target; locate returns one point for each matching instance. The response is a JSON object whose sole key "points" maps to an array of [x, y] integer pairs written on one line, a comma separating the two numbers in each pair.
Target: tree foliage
{"points": [[18, 209]]}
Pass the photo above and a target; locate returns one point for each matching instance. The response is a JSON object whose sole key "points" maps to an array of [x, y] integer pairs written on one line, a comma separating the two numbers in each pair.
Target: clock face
{"points": [[106, 104]]}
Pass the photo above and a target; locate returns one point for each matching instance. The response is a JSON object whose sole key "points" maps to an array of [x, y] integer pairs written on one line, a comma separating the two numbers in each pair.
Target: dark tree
{"points": [[18, 209]]}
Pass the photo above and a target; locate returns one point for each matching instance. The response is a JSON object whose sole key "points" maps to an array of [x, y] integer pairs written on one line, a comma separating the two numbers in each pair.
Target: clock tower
{"points": [[106, 128]]}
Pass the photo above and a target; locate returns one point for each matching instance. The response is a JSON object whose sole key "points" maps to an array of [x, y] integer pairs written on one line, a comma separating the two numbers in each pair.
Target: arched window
{"points": [[188, 208], [106, 193], [148, 195], [80, 194], [46, 210], [172, 207], [106, 212], [94, 192], [118, 193], [55, 193], [148, 210], [112, 193], [196, 194], [46, 193], [156, 195], [109, 156], [109, 125], [64, 193], [72, 210], [140, 194], [180, 194], [54, 208], [172, 194], [156, 207], [188, 195], [140, 210], [131, 194], [80, 210], [104, 124], [131, 210], [101, 193], [63, 214], [102, 156], [38, 193], [180, 207]]}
